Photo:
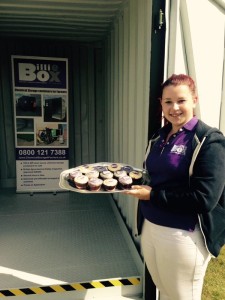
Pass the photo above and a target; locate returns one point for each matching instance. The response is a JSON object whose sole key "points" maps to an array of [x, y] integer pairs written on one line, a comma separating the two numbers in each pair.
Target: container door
{"points": [[195, 38]]}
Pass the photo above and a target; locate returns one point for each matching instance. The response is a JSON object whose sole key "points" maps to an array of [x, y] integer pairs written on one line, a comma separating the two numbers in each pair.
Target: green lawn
{"points": [[214, 285]]}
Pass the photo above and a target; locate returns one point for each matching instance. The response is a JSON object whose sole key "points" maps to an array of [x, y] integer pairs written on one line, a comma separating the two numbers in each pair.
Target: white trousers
{"points": [[176, 259]]}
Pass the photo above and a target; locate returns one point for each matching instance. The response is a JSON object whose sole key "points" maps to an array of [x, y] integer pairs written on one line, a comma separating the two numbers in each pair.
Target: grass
{"points": [[214, 284]]}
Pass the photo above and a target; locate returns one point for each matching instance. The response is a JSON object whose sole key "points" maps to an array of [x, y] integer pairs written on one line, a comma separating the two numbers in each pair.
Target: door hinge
{"points": [[159, 20]]}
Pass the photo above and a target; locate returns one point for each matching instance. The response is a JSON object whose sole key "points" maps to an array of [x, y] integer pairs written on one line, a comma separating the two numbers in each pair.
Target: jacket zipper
{"points": [[194, 156], [200, 225], [162, 150]]}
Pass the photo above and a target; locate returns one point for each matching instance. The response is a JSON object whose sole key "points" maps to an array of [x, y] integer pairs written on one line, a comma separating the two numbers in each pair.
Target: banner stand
{"points": [[40, 87]]}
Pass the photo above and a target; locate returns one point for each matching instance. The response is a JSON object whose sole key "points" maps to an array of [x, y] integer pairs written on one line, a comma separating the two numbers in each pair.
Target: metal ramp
{"points": [[66, 246]]}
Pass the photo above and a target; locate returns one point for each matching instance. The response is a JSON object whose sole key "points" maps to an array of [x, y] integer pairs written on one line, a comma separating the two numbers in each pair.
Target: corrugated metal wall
{"points": [[128, 67]]}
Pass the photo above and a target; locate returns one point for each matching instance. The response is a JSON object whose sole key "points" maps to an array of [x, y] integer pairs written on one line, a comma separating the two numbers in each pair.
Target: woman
{"points": [[183, 209]]}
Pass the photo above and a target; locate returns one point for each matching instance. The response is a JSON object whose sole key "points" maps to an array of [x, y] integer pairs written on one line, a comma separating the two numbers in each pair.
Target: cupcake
{"points": [[125, 182], [136, 176], [73, 174], [100, 168], [92, 174], [114, 167], [95, 184], [110, 184], [127, 169], [118, 174], [81, 182], [86, 168], [106, 175]]}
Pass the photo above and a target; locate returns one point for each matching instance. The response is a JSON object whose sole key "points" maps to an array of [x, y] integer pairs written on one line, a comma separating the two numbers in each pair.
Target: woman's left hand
{"points": [[141, 192]]}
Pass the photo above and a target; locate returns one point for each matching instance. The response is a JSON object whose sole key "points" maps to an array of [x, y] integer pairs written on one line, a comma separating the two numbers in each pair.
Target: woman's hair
{"points": [[180, 79]]}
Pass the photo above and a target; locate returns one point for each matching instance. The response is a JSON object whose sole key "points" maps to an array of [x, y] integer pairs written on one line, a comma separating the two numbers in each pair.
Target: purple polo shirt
{"points": [[168, 165]]}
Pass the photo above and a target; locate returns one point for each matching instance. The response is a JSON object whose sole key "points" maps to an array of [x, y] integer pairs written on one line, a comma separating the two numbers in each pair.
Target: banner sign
{"points": [[40, 87]]}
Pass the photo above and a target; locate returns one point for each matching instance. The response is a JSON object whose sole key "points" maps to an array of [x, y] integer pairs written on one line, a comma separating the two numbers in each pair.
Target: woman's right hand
{"points": [[141, 192]]}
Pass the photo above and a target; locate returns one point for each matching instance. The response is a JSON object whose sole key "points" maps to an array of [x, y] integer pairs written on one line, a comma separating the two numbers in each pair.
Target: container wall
{"points": [[128, 72], [108, 90]]}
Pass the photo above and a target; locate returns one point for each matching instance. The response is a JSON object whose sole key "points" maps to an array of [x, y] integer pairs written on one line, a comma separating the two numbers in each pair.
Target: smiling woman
{"points": [[178, 101], [183, 212]]}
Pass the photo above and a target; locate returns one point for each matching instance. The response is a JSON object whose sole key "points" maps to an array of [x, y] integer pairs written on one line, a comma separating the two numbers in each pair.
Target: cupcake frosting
{"points": [[95, 183], [120, 173], [101, 168], [74, 174], [127, 169], [125, 180], [114, 167], [81, 179], [86, 168], [106, 174], [92, 174], [110, 184], [135, 174]]}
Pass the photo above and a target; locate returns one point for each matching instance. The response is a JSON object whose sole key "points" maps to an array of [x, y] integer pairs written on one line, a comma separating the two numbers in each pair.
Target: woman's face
{"points": [[178, 104]]}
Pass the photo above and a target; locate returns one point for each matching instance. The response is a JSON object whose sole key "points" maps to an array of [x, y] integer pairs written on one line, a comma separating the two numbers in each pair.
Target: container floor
{"points": [[60, 238]]}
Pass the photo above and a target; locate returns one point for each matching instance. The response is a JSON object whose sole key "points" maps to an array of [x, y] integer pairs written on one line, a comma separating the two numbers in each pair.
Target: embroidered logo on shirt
{"points": [[179, 149]]}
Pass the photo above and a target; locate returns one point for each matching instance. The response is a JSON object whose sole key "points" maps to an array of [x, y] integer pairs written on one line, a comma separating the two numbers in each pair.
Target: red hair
{"points": [[180, 79]]}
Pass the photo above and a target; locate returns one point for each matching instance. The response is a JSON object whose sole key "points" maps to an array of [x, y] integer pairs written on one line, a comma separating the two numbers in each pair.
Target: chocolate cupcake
{"points": [[81, 182], [73, 174], [118, 174], [86, 168], [94, 184], [125, 182], [110, 184], [114, 167], [136, 176]]}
